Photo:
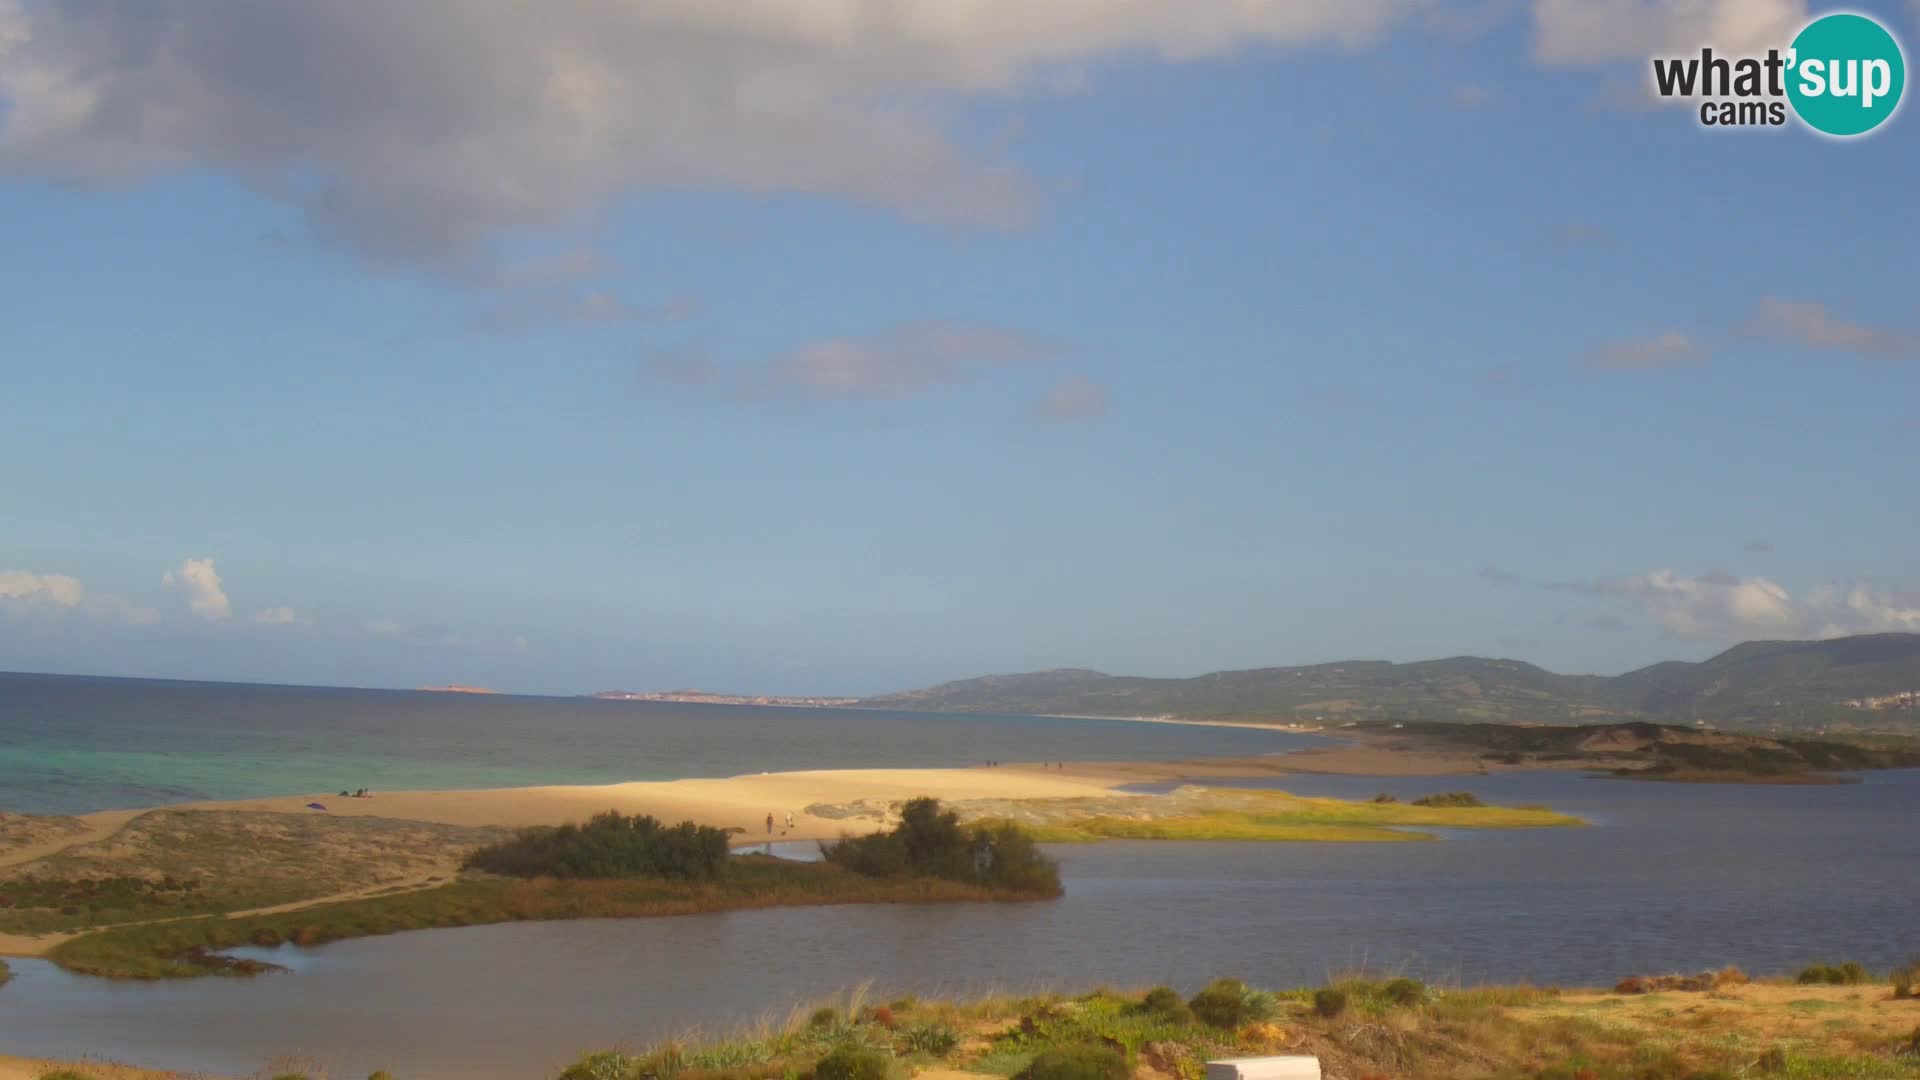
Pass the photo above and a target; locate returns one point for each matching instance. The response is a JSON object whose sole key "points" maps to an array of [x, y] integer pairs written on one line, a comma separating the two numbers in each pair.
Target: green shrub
{"points": [[931, 842], [379, 1074], [1161, 999], [1223, 1004], [610, 845], [825, 1016], [1450, 799], [936, 1039], [1905, 978], [1846, 974], [1330, 1001], [1081, 1061], [851, 1062], [1405, 991], [1163, 1003]]}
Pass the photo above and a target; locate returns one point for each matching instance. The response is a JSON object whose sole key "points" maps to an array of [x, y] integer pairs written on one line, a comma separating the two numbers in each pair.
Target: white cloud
{"points": [[1721, 607], [198, 579], [420, 132], [1609, 31], [1075, 397], [908, 361], [276, 616], [1814, 326], [25, 592], [1669, 349]]}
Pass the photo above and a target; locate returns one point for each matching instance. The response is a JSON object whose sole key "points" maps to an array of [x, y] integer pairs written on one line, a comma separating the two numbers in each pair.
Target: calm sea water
{"points": [[70, 745], [1669, 877]]}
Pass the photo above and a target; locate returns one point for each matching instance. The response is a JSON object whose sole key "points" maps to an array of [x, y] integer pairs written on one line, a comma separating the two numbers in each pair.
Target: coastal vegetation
{"points": [[1647, 751], [1258, 815], [611, 867], [171, 863], [930, 842], [610, 845], [1359, 1028]]}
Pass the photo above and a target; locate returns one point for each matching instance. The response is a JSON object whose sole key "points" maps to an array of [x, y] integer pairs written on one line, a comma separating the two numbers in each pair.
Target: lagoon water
{"points": [[1669, 877]]}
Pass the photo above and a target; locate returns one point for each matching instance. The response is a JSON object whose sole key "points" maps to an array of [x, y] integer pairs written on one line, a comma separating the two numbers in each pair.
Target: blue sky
{"points": [[679, 350]]}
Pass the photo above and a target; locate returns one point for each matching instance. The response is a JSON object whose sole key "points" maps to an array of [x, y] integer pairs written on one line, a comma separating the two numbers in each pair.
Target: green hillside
{"points": [[1792, 684]]}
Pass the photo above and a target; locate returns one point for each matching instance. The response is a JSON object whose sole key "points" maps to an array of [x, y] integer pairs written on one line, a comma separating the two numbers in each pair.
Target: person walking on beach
{"points": [[789, 821], [769, 824]]}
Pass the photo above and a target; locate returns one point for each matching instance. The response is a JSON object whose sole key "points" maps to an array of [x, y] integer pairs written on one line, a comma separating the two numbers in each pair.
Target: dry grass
{"points": [[175, 863], [1501, 1033]]}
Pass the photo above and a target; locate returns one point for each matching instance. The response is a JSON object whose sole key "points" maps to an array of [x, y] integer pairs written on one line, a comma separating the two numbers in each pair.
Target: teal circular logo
{"points": [[1845, 75]]}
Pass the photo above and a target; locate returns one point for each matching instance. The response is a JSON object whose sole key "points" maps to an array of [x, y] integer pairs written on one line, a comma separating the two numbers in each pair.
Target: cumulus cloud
{"points": [[1669, 349], [201, 584], [908, 361], [25, 592], [417, 133], [1815, 326], [276, 616], [1075, 397], [1578, 32], [1718, 606]]}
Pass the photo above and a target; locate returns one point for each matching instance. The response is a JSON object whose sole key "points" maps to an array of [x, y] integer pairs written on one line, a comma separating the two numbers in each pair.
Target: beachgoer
{"points": [[789, 819], [769, 824]]}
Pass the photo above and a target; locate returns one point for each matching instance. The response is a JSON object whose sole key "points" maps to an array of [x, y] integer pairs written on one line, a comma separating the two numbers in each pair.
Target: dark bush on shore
{"points": [[611, 845], [1164, 1002], [1846, 974], [1404, 991], [1330, 1001], [1450, 799], [1087, 1061], [850, 1062], [931, 842]]}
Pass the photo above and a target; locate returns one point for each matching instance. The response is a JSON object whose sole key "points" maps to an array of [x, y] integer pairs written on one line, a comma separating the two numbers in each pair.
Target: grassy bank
{"points": [[1226, 814], [185, 948], [5, 973], [1395, 1029]]}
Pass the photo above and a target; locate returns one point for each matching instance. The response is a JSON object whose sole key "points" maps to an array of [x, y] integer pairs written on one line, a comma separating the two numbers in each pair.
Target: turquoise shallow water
{"points": [[71, 744]]}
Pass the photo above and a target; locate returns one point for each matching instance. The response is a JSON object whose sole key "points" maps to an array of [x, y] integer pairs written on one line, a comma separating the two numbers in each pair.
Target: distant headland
{"points": [[705, 697], [453, 689]]}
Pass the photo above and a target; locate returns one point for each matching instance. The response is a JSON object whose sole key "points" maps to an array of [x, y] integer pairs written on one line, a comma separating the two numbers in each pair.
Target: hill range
{"points": [[1869, 682]]}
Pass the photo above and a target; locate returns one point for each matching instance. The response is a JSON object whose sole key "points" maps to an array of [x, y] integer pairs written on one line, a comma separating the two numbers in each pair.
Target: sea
{"points": [[1665, 877], [71, 744]]}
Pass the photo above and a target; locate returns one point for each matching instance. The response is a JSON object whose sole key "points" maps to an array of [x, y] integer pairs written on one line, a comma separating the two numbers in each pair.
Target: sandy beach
{"points": [[741, 802]]}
